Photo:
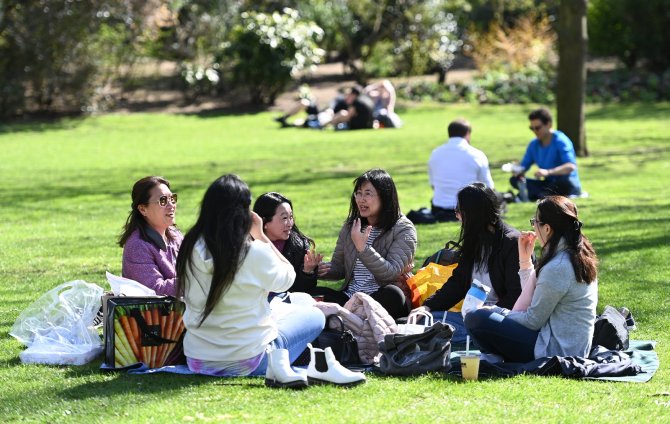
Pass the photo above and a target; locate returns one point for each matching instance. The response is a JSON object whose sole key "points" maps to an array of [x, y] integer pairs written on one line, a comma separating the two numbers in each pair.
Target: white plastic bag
{"points": [[58, 327], [475, 297]]}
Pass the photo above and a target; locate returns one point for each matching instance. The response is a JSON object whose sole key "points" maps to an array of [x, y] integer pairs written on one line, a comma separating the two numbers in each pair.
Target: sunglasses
{"points": [[535, 128], [534, 221], [163, 200]]}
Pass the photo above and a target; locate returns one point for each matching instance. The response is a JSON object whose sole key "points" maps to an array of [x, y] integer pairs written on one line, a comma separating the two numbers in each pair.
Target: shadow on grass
{"points": [[123, 383], [632, 111], [41, 123]]}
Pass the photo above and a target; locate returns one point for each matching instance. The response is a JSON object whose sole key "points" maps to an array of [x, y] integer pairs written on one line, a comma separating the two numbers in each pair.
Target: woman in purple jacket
{"points": [[150, 239]]}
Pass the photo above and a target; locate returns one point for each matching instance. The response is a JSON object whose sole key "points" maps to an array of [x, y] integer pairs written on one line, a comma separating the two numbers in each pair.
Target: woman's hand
{"points": [[323, 269], [526, 248], [257, 228], [312, 261], [360, 239]]}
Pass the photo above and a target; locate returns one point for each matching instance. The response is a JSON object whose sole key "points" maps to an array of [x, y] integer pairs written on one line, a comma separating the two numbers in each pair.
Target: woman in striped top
{"points": [[375, 247]]}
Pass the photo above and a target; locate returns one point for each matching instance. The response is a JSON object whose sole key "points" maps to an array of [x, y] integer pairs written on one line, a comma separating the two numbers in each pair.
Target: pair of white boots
{"points": [[323, 369]]}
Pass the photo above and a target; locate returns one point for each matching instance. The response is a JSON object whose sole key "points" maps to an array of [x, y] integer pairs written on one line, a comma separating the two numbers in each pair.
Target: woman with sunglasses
{"points": [[556, 312], [488, 254], [279, 226], [375, 248], [150, 239]]}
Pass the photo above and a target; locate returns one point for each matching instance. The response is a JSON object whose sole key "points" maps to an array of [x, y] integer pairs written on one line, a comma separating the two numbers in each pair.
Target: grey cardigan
{"points": [[386, 258], [563, 309]]}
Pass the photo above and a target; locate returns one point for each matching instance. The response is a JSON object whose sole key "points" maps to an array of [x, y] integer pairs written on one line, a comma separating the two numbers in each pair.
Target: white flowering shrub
{"points": [[264, 51]]}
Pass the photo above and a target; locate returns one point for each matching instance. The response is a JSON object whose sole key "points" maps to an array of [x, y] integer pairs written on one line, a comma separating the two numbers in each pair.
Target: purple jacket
{"points": [[152, 263]]}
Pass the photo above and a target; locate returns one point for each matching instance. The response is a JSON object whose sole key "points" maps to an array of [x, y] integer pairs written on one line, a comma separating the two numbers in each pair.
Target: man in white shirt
{"points": [[454, 165]]}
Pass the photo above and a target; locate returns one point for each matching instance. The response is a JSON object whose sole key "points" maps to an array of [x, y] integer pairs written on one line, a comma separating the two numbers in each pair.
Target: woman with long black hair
{"points": [[556, 312], [225, 270], [489, 254], [375, 247], [280, 227]]}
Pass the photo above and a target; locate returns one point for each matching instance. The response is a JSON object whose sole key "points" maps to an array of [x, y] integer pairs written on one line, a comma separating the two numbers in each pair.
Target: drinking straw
{"points": [[467, 345]]}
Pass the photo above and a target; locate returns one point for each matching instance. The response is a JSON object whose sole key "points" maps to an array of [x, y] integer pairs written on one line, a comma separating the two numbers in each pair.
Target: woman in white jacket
{"points": [[225, 270]]}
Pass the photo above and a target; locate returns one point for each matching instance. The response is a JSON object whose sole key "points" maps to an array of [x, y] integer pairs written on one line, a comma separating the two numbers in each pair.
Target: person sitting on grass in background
{"points": [[279, 226], [383, 95], [225, 271], [150, 239], [556, 312], [489, 253], [554, 154], [453, 166], [358, 114], [375, 247]]}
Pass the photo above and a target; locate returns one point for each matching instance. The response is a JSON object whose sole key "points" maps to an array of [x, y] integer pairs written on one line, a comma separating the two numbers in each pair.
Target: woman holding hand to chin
{"points": [[150, 239], [556, 311], [375, 247]]}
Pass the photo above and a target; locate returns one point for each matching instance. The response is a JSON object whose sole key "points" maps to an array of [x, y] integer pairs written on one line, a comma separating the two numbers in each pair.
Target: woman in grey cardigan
{"points": [[555, 314], [375, 247]]}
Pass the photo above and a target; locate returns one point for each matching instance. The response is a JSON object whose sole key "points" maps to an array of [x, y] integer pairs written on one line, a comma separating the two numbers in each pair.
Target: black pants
{"points": [[390, 297], [442, 214], [538, 189]]}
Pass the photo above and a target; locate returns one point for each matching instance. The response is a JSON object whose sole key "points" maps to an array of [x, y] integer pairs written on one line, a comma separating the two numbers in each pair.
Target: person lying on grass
{"points": [[150, 239], [556, 312]]}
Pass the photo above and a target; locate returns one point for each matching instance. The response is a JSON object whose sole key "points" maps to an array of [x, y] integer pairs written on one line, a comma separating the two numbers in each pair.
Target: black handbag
{"points": [[341, 341], [414, 354], [447, 256], [610, 330]]}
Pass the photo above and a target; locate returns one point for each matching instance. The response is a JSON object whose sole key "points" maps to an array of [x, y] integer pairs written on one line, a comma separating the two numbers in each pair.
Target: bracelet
{"points": [[529, 261]]}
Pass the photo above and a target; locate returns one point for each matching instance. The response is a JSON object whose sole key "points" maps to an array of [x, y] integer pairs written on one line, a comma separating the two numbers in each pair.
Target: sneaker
{"points": [[282, 121]]}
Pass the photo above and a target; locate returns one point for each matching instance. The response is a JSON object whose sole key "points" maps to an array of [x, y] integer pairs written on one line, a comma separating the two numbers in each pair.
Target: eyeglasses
{"points": [[534, 221], [163, 200], [535, 128], [364, 195]]}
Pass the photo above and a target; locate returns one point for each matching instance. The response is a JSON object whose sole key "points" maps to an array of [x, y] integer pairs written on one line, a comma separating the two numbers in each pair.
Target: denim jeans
{"points": [[297, 326], [495, 333], [455, 319]]}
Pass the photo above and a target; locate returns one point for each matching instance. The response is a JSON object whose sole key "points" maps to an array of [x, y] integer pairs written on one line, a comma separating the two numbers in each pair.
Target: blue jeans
{"points": [[455, 319], [495, 333], [297, 328]]}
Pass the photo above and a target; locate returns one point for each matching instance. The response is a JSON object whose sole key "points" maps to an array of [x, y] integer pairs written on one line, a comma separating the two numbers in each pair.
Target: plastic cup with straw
{"points": [[469, 363]]}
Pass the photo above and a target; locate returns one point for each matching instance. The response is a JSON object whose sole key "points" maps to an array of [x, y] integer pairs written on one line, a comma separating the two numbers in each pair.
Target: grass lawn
{"points": [[65, 193]]}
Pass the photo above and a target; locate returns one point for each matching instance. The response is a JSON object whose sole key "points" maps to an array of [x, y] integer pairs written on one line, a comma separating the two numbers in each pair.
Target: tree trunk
{"points": [[572, 44]]}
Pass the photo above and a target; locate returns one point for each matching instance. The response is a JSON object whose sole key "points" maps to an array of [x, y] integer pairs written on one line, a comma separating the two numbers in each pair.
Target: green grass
{"points": [[65, 192]]}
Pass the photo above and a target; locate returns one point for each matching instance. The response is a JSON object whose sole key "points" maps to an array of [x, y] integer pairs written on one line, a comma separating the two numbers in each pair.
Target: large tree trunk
{"points": [[572, 44]]}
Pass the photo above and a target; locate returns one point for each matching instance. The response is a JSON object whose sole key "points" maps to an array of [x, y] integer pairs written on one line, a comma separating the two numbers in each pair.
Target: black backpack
{"points": [[610, 330]]}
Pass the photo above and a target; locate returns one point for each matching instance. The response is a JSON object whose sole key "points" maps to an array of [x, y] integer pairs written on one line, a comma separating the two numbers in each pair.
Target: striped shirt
{"points": [[363, 280]]}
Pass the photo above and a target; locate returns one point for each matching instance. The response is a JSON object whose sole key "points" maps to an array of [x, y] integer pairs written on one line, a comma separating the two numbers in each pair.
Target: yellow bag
{"points": [[428, 280]]}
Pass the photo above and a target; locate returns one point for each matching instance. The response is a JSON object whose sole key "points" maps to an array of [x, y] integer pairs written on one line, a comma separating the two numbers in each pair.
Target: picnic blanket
{"points": [[637, 364]]}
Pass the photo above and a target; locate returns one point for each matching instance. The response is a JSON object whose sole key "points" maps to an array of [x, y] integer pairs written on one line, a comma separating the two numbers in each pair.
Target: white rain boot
{"points": [[324, 368], [279, 372]]}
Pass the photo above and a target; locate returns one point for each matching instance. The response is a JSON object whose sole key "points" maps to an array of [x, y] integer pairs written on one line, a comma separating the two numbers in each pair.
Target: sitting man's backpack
{"points": [[610, 330]]}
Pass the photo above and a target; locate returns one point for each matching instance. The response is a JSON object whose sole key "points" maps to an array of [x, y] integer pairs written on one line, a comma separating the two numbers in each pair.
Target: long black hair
{"points": [[223, 224], [480, 210], [140, 196], [560, 213], [266, 206], [388, 196]]}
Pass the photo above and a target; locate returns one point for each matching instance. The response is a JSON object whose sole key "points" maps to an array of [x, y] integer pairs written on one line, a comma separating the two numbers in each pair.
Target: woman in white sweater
{"points": [[225, 270], [555, 313]]}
